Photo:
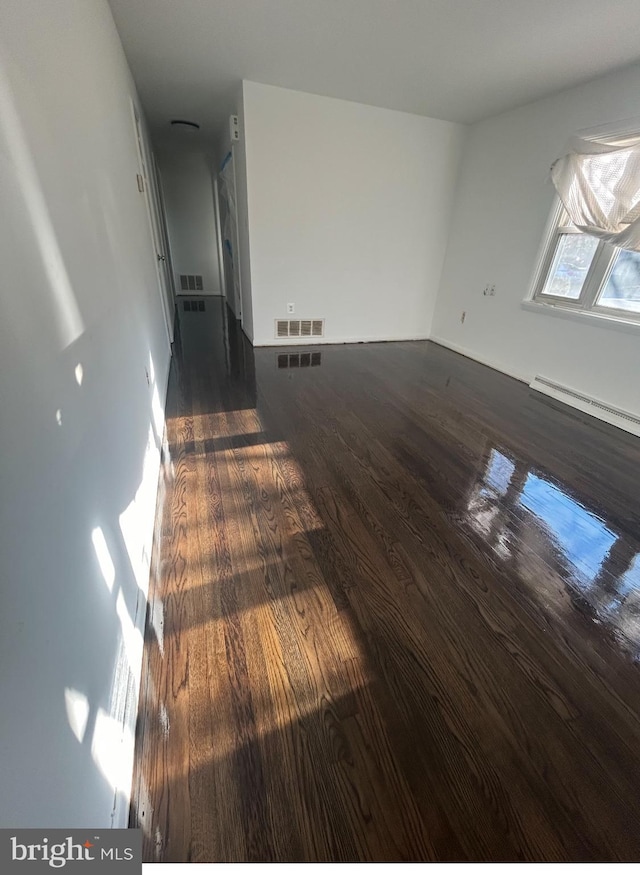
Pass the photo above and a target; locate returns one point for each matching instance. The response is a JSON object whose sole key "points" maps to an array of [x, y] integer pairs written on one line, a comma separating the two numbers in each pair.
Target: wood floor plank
{"points": [[618, 776], [395, 614]]}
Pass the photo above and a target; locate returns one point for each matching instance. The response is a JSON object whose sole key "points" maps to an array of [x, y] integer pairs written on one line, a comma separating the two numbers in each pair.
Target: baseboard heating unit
{"points": [[613, 415]]}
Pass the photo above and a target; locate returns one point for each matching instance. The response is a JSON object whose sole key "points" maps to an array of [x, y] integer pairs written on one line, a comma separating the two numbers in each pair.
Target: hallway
{"points": [[393, 613]]}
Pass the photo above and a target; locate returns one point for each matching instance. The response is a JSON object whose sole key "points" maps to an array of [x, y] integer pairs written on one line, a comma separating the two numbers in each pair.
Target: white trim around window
{"points": [[585, 282], [581, 278]]}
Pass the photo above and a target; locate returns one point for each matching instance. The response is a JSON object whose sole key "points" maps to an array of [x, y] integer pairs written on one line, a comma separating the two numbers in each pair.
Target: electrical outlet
{"points": [[291, 308], [489, 290], [464, 316]]}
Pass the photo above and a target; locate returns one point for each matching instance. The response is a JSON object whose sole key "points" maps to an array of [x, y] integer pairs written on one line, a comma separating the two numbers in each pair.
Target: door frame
{"points": [[235, 255], [164, 229], [216, 207], [145, 186]]}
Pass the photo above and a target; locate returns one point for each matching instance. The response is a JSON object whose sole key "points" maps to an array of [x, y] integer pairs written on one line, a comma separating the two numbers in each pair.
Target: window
{"points": [[579, 272], [583, 267]]}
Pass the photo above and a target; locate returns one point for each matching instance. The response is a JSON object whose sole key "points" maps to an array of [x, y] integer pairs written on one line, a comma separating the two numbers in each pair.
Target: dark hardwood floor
{"points": [[395, 613]]}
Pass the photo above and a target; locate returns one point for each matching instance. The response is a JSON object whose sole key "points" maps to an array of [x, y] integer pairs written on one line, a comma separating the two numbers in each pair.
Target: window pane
{"points": [[622, 289], [571, 262]]}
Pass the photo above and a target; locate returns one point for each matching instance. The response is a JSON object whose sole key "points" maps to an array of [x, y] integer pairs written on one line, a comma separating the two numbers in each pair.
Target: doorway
{"points": [[230, 238], [147, 184]]}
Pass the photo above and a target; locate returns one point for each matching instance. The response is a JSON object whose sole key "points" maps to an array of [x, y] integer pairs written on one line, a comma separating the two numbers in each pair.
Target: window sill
{"points": [[589, 318]]}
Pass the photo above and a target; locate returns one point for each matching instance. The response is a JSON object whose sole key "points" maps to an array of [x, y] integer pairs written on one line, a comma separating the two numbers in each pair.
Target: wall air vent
{"points": [[613, 415], [191, 282], [299, 328]]}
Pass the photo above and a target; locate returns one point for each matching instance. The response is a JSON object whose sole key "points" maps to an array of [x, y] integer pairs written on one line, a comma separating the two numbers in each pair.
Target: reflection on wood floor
{"points": [[395, 613]]}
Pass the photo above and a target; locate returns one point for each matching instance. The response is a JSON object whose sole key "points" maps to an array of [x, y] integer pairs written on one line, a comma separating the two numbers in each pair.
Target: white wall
{"points": [[79, 458], [187, 185], [348, 213], [502, 204]]}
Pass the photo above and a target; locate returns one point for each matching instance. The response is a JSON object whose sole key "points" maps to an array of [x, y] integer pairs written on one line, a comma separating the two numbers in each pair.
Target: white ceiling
{"points": [[459, 60]]}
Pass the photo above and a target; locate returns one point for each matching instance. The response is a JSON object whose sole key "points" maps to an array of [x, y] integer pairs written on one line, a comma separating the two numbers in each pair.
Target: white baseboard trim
{"points": [[334, 341], [595, 407], [454, 347], [622, 419]]}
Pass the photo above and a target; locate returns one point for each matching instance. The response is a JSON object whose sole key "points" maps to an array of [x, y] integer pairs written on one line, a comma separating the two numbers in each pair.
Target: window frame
{"points": [[595, 281], [602, 263]]}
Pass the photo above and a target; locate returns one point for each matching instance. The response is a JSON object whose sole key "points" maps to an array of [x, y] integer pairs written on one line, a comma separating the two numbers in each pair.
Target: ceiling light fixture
{"points": [[183, 123]]}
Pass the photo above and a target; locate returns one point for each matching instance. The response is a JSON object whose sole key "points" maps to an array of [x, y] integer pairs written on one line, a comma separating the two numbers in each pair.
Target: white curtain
{"points": [[599, 185]]}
